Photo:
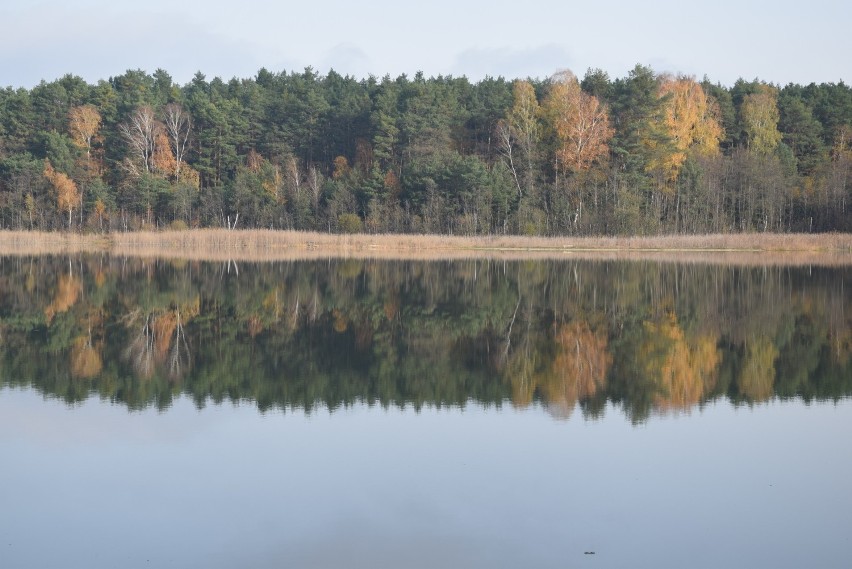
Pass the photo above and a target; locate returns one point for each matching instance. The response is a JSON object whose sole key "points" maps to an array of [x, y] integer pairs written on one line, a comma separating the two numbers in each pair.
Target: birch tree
{"points": [[83, 125], [759, 114], [141, 132], [524, 126], [692, 119], [580, 121], [178, 125]]}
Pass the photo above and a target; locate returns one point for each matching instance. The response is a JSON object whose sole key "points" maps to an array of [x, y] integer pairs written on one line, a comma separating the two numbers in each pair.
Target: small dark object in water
{"points": [[588, 553]]}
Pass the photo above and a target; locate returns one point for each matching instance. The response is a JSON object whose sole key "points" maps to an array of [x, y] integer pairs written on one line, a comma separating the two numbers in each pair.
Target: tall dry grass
{"points": [[268, 245]]}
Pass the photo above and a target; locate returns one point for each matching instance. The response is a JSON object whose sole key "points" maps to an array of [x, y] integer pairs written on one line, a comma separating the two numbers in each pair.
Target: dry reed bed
{"points": [[266, 245]]}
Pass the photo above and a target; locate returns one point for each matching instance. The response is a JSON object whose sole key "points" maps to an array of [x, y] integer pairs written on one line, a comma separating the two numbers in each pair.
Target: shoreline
{"points": [[283, 245]]}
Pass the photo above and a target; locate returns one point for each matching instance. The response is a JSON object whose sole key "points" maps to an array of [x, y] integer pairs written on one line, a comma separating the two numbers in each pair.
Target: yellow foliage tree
{"points": [[190, 176], [84, 122], [692, 120], [759, 113], [524, 126]]}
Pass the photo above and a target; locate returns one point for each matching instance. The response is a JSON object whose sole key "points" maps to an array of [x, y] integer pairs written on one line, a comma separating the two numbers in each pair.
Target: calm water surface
{"points": [[375, 414]]}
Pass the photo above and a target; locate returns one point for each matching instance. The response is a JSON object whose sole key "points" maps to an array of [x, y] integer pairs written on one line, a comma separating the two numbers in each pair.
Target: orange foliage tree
{"points": [[580, 367], [163, 161], [68, 289], [67, 194], [580, 121], [178, 125]]}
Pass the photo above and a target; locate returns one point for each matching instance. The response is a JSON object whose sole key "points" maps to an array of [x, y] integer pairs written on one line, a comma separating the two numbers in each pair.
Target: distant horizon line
{"points": [[379, 78]]}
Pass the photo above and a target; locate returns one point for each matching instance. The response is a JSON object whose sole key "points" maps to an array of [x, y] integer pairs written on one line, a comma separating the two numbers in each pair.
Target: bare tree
{"points": [[315, 186], [523, 119], [141, 132], [507, 145], [178, 127], [293, 176]]}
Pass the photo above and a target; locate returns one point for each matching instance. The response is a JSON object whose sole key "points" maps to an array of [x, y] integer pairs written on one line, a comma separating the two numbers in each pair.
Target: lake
{"points": [[358, 413]]}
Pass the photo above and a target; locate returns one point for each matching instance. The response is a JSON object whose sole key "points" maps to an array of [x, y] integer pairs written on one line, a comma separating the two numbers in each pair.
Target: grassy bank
{"points": [[265, 245]]}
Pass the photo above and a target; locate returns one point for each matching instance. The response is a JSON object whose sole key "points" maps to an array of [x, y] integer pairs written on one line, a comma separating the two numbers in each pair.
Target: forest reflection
{"points": [[648, 337]]}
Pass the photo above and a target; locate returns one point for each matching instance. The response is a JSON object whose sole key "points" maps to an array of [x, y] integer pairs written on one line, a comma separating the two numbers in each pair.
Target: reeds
{"points": [[268, 245]]}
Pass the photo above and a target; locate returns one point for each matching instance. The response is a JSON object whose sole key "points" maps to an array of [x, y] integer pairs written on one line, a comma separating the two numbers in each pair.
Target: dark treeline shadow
{"points": [[647, 337]]}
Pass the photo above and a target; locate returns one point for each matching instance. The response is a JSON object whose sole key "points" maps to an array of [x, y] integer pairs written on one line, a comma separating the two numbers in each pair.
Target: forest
{"points": [[646, 154], [648, 338]]}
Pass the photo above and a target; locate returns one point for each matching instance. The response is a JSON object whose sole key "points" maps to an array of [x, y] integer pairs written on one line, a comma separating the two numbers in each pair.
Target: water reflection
{"points": [[649, 337]]}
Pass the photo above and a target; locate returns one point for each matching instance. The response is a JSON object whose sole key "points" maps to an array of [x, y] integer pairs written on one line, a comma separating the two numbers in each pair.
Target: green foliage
{"points": [[27, 202], [596, 82], [60, 150], [147, 198], [435, 154], [640, 139], [257, 196], [349, 223], [802, 133]]}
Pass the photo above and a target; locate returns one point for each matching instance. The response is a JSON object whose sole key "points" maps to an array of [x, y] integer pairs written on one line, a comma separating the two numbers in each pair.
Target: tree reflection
{"points": [[579, 368], [649, 338], [67, 293], [757, 374], [158, 341], [681, 370], [86, 361]]}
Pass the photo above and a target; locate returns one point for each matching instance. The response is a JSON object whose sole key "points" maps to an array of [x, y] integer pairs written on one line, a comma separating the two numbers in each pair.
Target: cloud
{"points": [[347, 59], [540, 61], [58, 42]]}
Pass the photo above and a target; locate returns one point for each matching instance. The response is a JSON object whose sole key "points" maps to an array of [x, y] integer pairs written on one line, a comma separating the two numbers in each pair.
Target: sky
{"points": [[777, 41]]}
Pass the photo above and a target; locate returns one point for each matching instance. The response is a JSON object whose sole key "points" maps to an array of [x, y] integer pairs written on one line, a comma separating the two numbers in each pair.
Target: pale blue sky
{"points": [[780, 41]]}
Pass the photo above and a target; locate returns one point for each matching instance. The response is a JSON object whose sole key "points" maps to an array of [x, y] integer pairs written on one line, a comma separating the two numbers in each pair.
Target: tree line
{"points": [[648, 153]]}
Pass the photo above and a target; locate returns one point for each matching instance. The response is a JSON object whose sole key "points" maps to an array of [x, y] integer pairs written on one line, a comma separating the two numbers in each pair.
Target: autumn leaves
{"points": [[579, 123], [67, 194], [156, 147], [692, 122]]}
